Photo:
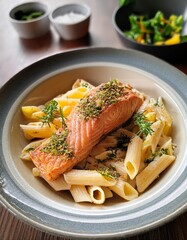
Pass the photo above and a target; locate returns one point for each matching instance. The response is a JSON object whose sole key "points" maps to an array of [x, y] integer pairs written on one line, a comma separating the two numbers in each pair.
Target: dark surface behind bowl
{"points": [[172, 53]]}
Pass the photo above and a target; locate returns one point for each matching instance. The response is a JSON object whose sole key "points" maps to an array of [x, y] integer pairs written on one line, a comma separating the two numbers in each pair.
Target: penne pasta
{"points": [[58, 185], [133, 156], [80, 194], [87, 178], [164, 116], [108, 192], [30, 112], [168, 145], [37, 130], [124, 190], [152, 171], [67, 110], [119, 167], [82, 83], [62, 101], [97, 194], [31, 146], [151, 141]]}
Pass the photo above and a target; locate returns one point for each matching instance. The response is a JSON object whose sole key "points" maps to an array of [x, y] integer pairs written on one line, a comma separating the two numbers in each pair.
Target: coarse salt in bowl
{"points": [[71, 20]]}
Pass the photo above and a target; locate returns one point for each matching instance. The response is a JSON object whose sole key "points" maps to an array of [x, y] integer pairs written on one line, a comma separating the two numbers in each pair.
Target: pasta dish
{"points": [[100, 141]]}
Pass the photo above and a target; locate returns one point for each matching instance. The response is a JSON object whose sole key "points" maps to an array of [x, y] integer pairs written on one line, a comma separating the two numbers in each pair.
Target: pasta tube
{"points": [[87, 178], [108, 192], [152, 171], [133, 156], [164, 116], [31, 146], [37, 130], [97, 194], [168, 145], [119, 167], [151, 141], [58, 185], [82, 83], [30, 112], [80, 194], [124, 190]]}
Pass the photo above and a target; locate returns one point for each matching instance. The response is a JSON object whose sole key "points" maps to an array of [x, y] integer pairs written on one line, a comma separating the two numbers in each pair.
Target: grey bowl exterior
{"points": [[171, 53], [32, 28]]}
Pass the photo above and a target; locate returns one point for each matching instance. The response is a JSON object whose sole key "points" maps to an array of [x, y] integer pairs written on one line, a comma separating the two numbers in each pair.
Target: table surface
{"points": [[16, 54]]}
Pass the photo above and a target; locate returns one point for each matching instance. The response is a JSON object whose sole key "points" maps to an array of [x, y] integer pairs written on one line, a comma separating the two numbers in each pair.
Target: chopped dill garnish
{"points": [[58, 145], [62, 118], [51, 111], [108, 93], [109, 172], [144, 125], [159, 153]]}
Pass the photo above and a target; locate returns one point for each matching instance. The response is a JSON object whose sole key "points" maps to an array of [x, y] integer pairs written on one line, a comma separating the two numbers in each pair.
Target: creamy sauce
{"points": [[70, 18]]}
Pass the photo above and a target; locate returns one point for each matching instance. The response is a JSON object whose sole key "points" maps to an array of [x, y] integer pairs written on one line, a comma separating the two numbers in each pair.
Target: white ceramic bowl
{"points": [[71, 21], [30, 28], [35, 202]]}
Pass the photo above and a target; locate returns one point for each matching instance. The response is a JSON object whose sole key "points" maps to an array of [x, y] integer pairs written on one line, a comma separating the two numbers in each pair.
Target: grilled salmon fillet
{"points": [[104, 108]]}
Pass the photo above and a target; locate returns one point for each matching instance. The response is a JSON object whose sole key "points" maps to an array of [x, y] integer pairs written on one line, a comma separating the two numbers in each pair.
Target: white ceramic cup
{"points": [[30, 28], [74, 30]]}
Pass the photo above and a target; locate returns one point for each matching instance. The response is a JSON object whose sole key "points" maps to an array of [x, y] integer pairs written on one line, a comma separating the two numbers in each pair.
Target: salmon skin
{"points": [[104, 109]]}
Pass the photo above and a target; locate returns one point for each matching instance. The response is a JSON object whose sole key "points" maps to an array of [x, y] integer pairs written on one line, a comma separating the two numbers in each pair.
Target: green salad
{"points": [[157, 30]]}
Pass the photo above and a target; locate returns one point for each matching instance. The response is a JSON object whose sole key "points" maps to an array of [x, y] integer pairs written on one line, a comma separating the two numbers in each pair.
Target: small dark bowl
{"points": [[171, 53]]}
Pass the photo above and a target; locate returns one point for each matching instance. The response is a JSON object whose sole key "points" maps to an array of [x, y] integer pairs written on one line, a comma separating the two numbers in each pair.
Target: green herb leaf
{"points": [[62, 118], [109, 172], [144, 126], [159, 153], [50, 109]]}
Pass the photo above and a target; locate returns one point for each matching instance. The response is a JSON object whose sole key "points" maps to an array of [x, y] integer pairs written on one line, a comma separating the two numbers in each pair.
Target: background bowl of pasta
{"points": [[53, 209]]}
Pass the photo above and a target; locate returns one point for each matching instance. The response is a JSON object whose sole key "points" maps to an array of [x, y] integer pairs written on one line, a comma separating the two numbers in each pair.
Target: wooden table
{"points": [[16, 53]]}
